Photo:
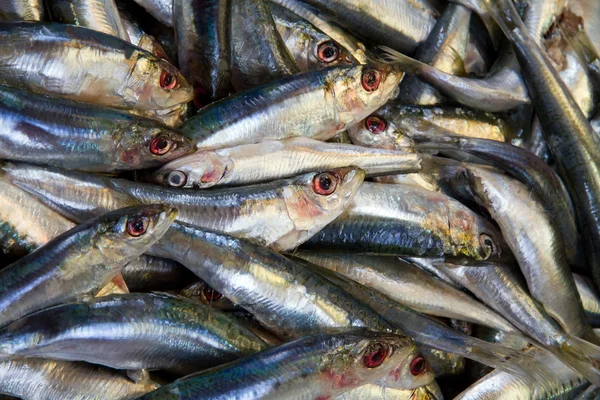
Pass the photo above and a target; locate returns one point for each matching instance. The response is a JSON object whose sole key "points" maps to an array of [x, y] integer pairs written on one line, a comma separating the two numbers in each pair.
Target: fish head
{"points": [[155, 84], [362, 357], [149, 144], [379, 131], [129, 232], [410, 373], [202, 169], [322, 52]]}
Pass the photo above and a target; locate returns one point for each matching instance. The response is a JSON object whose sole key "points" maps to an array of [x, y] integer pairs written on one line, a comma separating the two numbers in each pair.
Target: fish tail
{"points": [[408, 64], [505, 14], [580, 355]]}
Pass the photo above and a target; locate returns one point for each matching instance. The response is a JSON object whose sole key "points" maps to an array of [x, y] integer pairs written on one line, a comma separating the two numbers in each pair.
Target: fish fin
{"points": [[582, 356], [408, 64], [139, 376]]}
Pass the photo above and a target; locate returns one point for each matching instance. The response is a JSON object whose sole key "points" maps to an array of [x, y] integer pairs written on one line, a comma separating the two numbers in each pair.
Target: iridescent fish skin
{"points": [[55, 273], [316, 104], [402, 25], [22, 10], [280, 214], [311, 48], [315, 367], [408, 285], [73, 135], [154, 332], [32, 57], [38, 379], [407, 220], [270, 160], [99, 15]]}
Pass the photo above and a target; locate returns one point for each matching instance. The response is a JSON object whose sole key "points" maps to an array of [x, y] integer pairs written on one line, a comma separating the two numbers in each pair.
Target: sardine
{"points": [[203, 46], [315, 367], [55, 273], [73, 135], [32, 56], [99, 15], [408, 221], [589, 299], [410, 286], [253, 31], [153, 331], [270, 160], [280, 214], [37, 379], [315, 104]]}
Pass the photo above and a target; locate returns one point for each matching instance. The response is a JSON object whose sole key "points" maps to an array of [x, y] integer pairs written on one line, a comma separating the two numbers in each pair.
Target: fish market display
{"points": [[299, 199]]}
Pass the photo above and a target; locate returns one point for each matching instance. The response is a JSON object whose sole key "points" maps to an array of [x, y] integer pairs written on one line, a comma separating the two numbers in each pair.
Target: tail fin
{"points": [[580, 355], [505, 14], [408, 64]]}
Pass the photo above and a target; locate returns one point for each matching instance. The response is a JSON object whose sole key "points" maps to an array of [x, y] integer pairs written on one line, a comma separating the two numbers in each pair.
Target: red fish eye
{"points": [[160, 146], [375, 124], [324, 184], [418, 366], [328, 52], [211, 294], [371, 79], [167, 81], [136, 226], [375, 356]]}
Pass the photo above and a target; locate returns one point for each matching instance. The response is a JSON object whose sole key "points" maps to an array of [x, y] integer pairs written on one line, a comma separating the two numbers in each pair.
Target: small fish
{"points": [[55, 273], [406, 220], [316, 104], [316, 367], [270, 160], [154, 332], [126, 76], [37, 379], [73, 135]]}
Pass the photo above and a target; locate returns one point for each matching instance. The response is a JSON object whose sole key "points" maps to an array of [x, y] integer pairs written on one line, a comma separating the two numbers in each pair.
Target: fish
{"points": [[372, 391], [101, 16], [444, 364], [444, 49], [139, 38], [203, 46], [38, 379], [270, 160], [55, 273], [395, 125], [154, 332], [148, 274], [162, 10], [571, 139], [310, 48], [409, 285], [318, 366], [73, 135], [280, 214], [405, 220], [560, 382], [539, 253], [22, 10], [402, 25], [201, 292], [315, 104], [33, 54], [253, 31], [502, 288]]}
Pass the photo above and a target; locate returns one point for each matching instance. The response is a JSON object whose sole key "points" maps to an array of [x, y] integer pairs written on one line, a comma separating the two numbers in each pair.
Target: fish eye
{"points": [[176, 178], [418, 365], [160, 146], [375, 356], [137, 226], [371, 79], [328, 52], [488, 243], [375, 124], [211, 294], [324, 183], [167, 81]]}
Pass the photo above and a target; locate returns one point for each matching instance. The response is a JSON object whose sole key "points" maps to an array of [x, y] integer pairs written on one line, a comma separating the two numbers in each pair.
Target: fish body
{"points": [[22, 10], [147, 274]]}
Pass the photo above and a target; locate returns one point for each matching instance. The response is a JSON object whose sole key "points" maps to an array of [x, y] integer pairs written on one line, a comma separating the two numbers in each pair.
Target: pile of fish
{"points": [[299, 199]]}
